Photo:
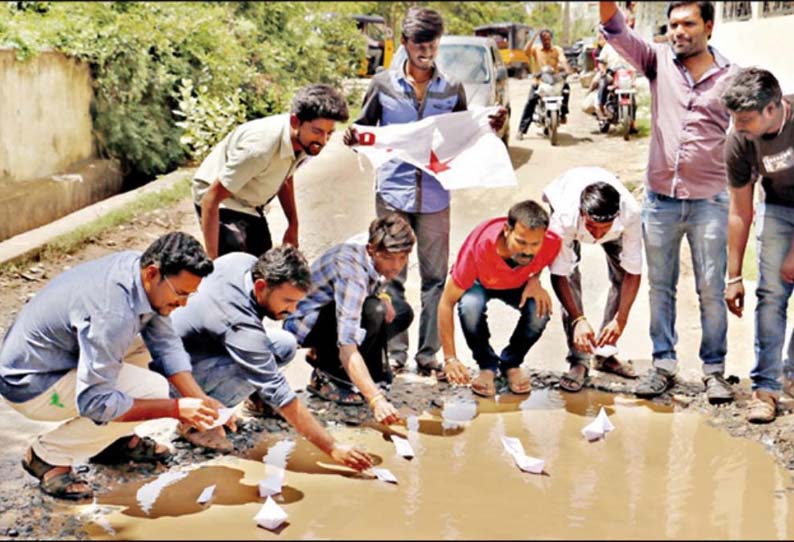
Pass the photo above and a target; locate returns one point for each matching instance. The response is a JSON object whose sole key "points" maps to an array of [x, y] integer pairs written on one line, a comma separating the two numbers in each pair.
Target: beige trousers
{"points": [[78, 438]]}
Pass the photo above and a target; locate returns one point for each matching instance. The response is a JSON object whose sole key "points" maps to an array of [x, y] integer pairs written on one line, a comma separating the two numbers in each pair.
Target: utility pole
{"points": [[566, 23]]}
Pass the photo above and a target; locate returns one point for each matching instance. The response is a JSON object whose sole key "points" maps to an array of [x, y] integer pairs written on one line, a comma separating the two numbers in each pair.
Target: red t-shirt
{"points": [[478, 259]]}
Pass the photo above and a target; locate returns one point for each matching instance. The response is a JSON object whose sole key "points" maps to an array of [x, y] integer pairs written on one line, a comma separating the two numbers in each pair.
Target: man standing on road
{"points": [[686, 193], [347, 319], [414, 91], [552, 56], [590, 205], [761, 144], [502, 258], [234, 356], [62, 360], [253, 164]]}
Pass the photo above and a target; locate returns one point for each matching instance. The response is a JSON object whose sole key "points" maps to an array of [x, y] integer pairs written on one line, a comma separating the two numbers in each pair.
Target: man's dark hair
{"points": [[600, 201], [391, 233], [282, 265], [706, 9], [319, 102], [177, 251], [752, 89], [421, 25], [529, 213]]}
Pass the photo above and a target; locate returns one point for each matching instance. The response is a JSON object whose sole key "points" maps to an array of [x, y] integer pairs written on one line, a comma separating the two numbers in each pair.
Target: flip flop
{"points": [[571, 383], [481, 388], [145, 451], [613, 365], [514, 377]]}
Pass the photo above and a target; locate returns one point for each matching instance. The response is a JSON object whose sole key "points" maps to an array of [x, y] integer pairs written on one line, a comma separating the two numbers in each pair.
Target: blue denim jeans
{"points": [[224, 379], [704, 222], [774, 226], [472, 309]]}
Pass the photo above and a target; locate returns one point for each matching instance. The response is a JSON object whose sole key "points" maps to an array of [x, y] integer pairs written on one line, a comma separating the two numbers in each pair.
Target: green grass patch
{"points": [[72, 241]]}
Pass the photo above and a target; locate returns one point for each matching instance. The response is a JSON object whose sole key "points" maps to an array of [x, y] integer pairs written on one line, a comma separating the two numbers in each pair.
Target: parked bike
{"points": [[620, 106]]}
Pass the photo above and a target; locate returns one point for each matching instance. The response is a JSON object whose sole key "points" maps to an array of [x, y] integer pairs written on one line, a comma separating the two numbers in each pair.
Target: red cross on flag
{"points": [[459, 149]]}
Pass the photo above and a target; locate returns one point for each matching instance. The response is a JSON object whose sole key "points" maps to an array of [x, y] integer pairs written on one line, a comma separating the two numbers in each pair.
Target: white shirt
{"points": [[251, 162], [563, 195]]}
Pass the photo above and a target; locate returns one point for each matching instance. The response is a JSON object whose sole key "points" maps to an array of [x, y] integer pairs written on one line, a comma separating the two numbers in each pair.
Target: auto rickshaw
{"points": [[380, 43], [511, 38]]}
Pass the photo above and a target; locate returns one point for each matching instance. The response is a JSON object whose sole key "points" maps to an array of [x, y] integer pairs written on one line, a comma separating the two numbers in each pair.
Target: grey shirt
{"points": [[86, 319], [770, 157], [224, 319]]}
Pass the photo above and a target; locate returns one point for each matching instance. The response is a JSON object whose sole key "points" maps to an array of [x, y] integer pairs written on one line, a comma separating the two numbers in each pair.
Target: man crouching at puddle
{"points": [[347, 318], [502, 258], [63, 360], [234, 356]]}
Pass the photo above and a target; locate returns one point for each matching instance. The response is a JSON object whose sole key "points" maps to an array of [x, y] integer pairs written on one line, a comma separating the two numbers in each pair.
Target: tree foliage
{"points": [[170, 78], [243, 60]]}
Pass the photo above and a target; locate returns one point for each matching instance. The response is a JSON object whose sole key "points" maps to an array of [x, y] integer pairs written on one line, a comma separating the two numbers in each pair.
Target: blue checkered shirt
{"points": [[346, 275]]}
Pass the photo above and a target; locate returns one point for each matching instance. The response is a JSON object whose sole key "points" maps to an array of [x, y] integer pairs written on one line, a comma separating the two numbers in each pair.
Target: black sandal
{"points": [[120, 452], [330, 388], [572, 384], [55, 486]]}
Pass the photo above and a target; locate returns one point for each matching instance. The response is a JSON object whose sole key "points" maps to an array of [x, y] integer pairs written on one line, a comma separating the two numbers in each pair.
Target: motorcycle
{"points": [[550, 92], [621, 103]]}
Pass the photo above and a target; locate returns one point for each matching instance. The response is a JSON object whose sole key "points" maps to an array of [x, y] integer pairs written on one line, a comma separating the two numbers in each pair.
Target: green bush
{"points": [[244, 60]]}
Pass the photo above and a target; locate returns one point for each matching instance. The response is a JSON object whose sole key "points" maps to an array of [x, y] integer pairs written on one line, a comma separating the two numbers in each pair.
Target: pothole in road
{"points": [[659, 474]]}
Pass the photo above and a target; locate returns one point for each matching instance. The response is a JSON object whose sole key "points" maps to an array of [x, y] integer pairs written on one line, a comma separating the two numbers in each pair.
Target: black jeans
{"points": [[241, 232], [532, 102], [323, 338]]}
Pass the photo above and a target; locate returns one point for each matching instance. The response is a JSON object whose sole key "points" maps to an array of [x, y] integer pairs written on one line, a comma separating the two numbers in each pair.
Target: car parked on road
{"points": [[477, 63]]}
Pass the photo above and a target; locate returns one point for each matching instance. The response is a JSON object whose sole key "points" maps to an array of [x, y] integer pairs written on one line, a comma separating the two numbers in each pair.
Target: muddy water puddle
{"points": [[660, 474]]}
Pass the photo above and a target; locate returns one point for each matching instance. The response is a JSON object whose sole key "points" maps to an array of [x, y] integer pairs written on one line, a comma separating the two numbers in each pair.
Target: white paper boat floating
{"points": [[384, 475], [599, 427], [206, 495], [526, 463], [403, 446], [271, 516], [272, 484]]}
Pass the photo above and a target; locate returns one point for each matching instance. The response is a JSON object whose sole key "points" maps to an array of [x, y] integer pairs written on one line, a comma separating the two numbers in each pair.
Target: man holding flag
{"points": [[416, 90]]}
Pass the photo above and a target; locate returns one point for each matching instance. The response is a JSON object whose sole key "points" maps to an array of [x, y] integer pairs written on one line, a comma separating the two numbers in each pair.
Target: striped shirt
{"points": [[346, 276]]}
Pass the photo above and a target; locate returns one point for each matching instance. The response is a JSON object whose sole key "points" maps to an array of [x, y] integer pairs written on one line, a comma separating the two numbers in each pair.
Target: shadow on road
{"points": [[567, 140], [519, 156]]}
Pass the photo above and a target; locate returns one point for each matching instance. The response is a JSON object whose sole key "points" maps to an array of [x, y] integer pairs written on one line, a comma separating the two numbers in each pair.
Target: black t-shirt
{"points": [[771, 156]]}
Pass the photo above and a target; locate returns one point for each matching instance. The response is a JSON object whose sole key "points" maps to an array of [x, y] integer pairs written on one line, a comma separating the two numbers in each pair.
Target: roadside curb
{"points": [[30, 242]]}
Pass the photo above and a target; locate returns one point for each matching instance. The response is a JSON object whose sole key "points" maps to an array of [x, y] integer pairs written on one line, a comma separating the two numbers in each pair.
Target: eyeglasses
{"points": [[179, 295]]}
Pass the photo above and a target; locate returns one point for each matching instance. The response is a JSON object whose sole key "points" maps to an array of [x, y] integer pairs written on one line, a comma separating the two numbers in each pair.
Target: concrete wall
{"points": [[48, 165], [44, 114], [760, 41]]}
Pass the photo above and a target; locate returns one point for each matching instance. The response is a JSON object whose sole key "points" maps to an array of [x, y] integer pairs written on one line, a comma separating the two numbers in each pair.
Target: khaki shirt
{"points": [[251, 162]]}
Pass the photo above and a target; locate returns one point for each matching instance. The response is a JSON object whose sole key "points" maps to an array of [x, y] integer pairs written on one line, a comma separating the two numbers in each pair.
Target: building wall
{"points": [[758, 41], [44, 114]]}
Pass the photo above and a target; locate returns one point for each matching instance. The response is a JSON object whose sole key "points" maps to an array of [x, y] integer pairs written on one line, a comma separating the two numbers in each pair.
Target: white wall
{"points": [[761, 41]]}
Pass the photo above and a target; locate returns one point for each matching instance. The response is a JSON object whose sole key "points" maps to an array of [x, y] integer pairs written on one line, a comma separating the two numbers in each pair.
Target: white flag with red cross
{"points": [[459, 149]]}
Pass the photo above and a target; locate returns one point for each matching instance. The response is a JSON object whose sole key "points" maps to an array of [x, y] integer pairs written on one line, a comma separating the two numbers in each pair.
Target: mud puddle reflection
{"points": [[658, 475]]}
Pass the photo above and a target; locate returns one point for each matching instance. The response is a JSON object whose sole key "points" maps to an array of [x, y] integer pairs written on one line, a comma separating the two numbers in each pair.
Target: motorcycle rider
{"points": [[550, 55]]}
